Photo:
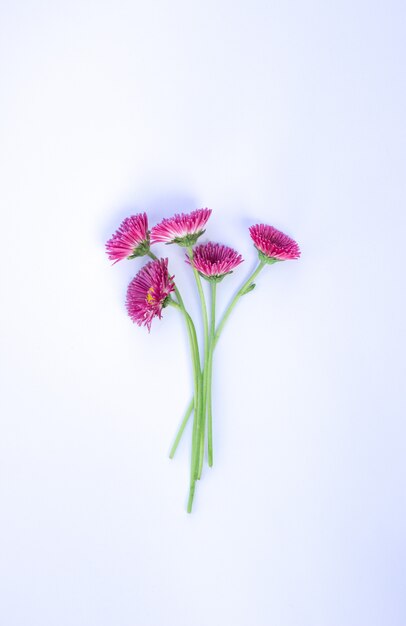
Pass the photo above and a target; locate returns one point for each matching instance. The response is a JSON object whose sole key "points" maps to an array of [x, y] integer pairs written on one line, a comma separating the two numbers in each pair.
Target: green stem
{"points": [[181, 429], [197, 396], [202, 418], [194, 348], [191, 404], [191, 495], [196, 419], [209, 375]]}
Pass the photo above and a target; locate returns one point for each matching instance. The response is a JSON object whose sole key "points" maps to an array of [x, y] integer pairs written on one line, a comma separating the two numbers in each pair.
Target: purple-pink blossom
{"points": [[148, 292], [214, 260], [183, 228], [130, 240], [273, 244]]}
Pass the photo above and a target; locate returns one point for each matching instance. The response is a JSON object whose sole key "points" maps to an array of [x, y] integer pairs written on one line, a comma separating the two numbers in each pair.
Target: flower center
{"points": [[150, 295]]}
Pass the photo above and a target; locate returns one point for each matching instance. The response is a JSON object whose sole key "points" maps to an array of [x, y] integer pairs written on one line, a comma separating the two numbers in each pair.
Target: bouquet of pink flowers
{"points": [[153, 289]]}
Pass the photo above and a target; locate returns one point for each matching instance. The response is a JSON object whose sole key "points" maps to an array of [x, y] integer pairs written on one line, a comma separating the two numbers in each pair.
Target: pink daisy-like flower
{"points": [[148, 292], [130, 240], [272, 244], [183, 228], [214, 261]]}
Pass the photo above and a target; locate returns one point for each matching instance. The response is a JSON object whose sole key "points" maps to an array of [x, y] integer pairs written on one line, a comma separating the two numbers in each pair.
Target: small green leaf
{"points": [[248, 289]]}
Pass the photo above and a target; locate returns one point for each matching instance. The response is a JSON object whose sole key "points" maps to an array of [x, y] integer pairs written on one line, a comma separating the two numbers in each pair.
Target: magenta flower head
{"points": [[272, 244], [183, 228], [130, 240], [213, 261], [148, 292]]}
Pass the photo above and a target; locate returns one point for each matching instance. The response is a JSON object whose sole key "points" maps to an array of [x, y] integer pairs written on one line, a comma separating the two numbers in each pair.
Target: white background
{"points": [[290, 113]]}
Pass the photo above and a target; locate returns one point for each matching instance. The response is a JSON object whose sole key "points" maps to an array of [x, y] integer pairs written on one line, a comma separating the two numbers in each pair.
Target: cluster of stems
{"points": [[201, 403]]}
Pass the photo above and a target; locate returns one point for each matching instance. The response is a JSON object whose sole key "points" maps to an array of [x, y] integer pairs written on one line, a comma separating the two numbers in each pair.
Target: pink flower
{"points": [[130, 240], [183, 229], [272, 244], [148, 292], [213, 260]]}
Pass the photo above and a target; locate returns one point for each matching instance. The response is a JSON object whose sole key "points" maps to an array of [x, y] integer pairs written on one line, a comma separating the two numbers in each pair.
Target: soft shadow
{"points": [[156, 206]]}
